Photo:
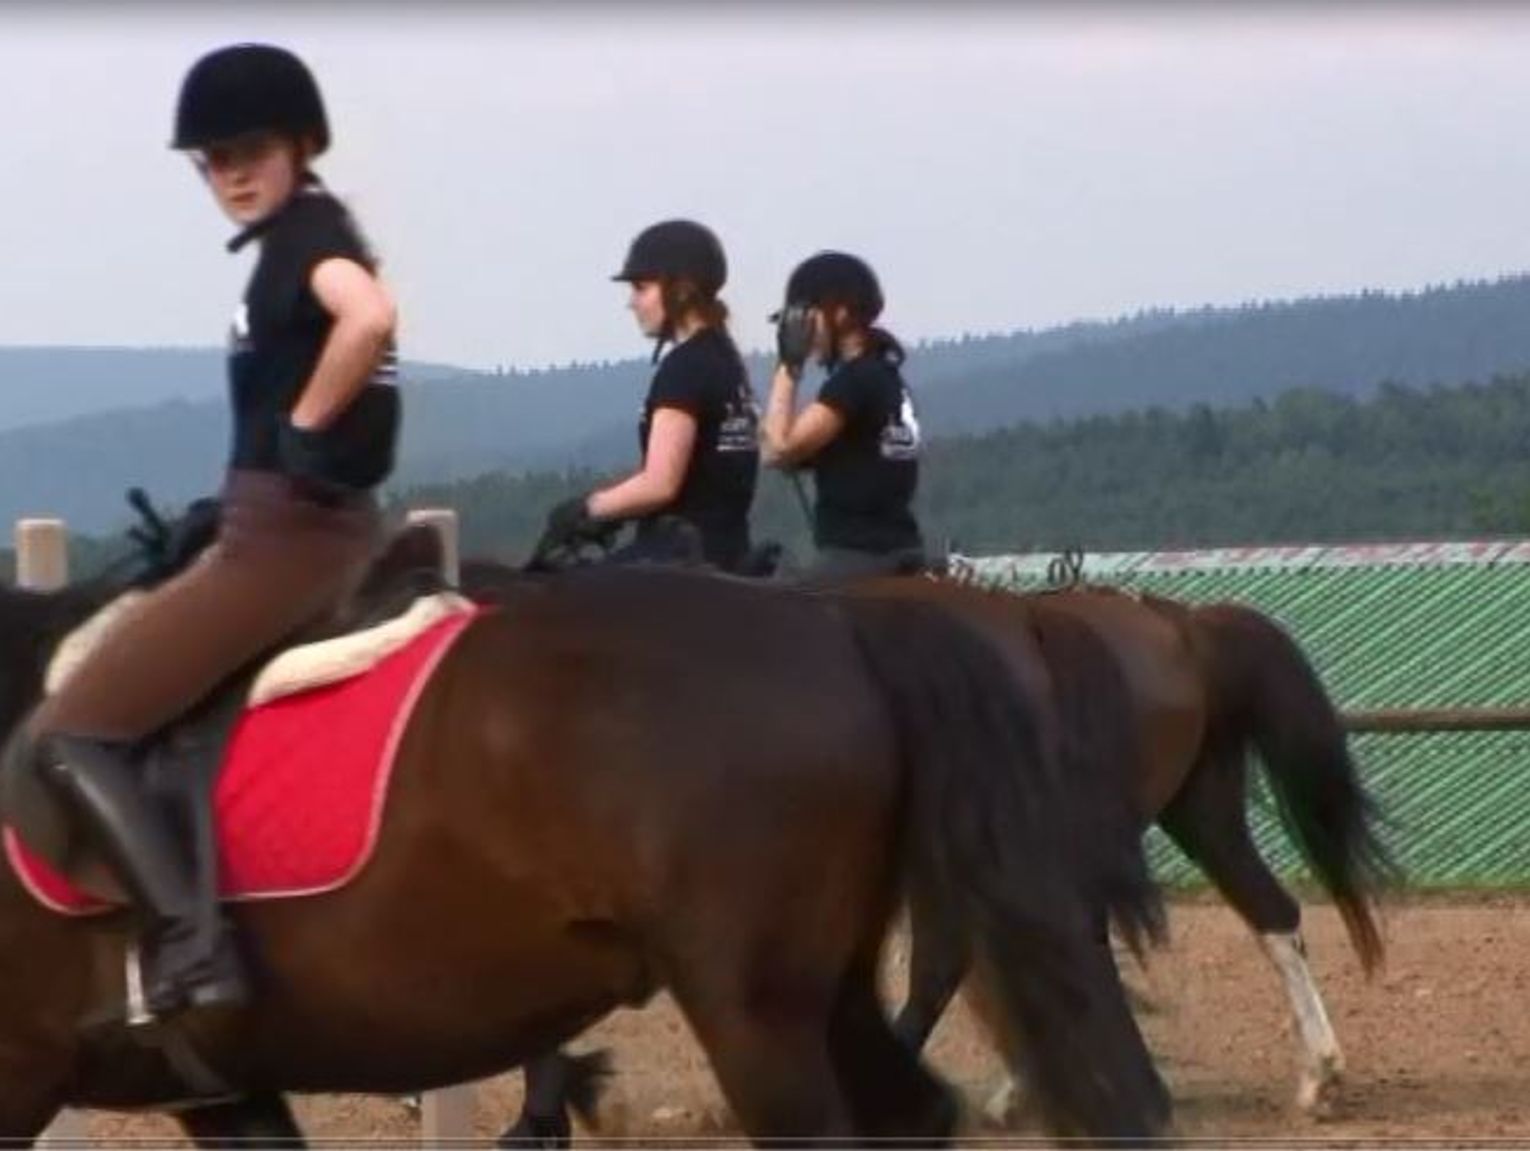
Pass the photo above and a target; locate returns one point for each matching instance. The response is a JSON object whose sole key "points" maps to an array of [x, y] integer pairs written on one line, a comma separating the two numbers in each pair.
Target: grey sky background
{"points": [[1002, 167]]}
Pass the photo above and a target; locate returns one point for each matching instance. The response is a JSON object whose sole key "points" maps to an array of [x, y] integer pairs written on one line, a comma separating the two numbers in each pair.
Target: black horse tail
{"points": [[1101, 756], [994, 825], [1269, 695]]}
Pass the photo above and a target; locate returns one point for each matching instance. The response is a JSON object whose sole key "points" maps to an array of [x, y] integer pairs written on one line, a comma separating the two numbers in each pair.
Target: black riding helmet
{"points": [[675, 250], [836, 279], [249, 88]]}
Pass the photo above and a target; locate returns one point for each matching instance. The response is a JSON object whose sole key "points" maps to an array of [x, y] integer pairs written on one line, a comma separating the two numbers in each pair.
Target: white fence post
{"points": [[444, 520], [446, 1116], [42, 564], [42, 554]]}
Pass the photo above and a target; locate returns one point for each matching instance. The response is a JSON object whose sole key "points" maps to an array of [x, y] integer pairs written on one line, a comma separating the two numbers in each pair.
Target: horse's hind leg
{"points": [[21, 1126], [770, 1053], [892, 1095], [1012, 1104], [938, 960], [32, 1093], [544, 1120], [1209, 821], [262, 1120]]}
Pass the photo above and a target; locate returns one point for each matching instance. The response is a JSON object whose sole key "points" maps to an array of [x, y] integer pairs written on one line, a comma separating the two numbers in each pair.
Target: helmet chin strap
{"points": [[662, 340]]}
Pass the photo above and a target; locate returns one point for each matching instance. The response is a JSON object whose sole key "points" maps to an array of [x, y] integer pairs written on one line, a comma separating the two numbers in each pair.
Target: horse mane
{"points": [[31, 625], [29, 617]]}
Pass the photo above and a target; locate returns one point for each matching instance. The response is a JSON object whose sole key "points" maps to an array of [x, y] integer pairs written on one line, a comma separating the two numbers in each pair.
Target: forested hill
{"points": [[40, 385], [1310, 466], [1351, 344], [460, 425]]}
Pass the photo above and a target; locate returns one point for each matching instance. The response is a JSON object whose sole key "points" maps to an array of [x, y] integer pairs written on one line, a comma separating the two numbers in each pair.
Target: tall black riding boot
{"points": [[187, 963]]}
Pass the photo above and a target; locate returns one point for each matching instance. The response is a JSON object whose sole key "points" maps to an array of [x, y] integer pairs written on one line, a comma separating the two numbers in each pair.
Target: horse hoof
{"points": [[535, 1131], [1316, 1093], [1004, 1106]]}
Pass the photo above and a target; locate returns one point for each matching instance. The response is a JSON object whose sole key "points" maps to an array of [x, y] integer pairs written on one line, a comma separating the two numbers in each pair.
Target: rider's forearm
{"points": [[776, 429], [355, 348], [638, 495]]}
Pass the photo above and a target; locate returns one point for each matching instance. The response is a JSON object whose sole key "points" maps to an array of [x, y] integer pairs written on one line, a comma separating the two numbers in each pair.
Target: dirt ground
{"points": [[1438, 1046]]}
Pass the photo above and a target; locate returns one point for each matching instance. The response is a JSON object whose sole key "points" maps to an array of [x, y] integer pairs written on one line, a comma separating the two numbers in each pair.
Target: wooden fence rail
{"points": [[1412, 720]]}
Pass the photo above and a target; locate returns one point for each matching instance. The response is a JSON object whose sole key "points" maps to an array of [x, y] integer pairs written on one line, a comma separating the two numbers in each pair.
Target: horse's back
{"points": [[1155, 653], [649, 722]]}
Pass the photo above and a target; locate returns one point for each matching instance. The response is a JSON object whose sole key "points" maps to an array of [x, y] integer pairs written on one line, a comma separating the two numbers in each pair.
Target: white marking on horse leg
{"points": [[137, 1002], [1322, 1061], [1001, 1104]]}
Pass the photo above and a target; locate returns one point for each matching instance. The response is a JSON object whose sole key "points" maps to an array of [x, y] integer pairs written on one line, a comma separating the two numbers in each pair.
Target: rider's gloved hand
{"points": [[570, 522], [352, 455], [794, 336], [307, 456]]}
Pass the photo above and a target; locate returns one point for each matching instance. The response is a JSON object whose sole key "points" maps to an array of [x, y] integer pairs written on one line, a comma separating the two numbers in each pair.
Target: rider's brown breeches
{"points": [[280, 561]]}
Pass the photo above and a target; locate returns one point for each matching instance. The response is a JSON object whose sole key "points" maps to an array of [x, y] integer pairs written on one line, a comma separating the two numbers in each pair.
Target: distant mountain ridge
{"points": [[172, 438], [40, 385]]}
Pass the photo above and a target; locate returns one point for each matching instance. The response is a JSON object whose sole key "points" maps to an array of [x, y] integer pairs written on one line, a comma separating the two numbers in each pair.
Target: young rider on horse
{"points": [[860, 435], [699, 430], [315, 421]]}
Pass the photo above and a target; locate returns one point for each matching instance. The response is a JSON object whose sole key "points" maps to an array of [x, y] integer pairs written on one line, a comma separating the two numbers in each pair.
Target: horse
{"points": [[1095, 738], [624, 782], [1209, 683]]}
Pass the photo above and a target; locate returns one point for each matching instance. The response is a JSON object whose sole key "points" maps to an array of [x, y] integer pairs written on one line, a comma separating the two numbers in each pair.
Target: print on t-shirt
{"points": [[239, 330], [900, 438], [867, 474], [738, 431]]}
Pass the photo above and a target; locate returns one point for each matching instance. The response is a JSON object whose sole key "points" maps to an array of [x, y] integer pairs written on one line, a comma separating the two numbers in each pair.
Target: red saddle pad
{"points": [[301, 794]]}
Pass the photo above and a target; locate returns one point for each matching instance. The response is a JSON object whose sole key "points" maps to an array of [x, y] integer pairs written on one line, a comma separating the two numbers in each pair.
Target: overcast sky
{"points": [[1001, 166]]}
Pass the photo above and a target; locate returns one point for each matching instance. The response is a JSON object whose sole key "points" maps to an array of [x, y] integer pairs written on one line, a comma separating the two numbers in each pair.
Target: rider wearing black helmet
{"points": [[860, 436], [699, 429], [315, 419]]}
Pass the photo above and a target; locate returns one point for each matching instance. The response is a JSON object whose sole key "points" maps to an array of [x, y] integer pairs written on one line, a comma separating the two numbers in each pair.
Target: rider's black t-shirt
{"points": [[281, 328], [867, 474], [705, 377]]}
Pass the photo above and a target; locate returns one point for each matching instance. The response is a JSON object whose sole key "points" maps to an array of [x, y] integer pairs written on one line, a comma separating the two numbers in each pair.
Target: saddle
{"points": [[666, 541], [402, 599], [225, 774]]}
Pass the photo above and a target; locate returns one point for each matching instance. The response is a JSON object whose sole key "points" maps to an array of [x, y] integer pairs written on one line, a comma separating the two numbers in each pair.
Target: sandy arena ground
{"points": [[1438, 1046]]}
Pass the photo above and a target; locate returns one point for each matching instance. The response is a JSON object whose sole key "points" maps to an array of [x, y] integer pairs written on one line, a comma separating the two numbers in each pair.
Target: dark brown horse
{"points": [[1209, 684], [1054, 657], [624, 782], [1206, 685]]}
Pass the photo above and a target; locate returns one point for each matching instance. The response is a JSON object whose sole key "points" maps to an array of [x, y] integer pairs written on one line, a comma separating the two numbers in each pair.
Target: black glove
{"points": [[570, 523], [794, 336], [166, 550], [194, 532], [353, 454], [305, 458], [568, 517]]}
